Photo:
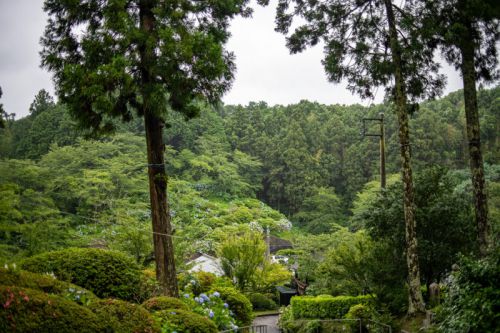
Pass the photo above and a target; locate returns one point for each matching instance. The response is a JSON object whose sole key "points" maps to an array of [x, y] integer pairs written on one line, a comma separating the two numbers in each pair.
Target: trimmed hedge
{"points": [[106, 273], [185, 321], [45, 283], [28, 310], [324, 306], [238, 303], [163, 303], [262, 302], [124, 317]]}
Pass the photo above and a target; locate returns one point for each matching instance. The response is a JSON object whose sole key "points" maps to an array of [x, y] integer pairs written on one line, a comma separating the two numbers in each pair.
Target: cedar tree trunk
{"points": [[467, 50], [415, 302], [162, 229]]}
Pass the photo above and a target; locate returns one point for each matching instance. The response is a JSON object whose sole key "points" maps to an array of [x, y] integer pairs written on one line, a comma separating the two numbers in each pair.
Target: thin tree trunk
{"points": [[474, 138], [163, 246], [162, 229], [415, 302]]}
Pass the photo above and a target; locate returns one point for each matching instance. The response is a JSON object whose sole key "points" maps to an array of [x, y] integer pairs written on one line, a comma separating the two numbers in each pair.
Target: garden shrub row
{"points": [[104, 272], [45, 283], [28, 310], [324, 306]]}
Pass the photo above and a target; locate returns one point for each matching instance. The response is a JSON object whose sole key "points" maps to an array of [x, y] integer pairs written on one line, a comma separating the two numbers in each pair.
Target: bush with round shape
{"points": [[124, 317], [261, 302], [360, 312], [106, 273], [164, 303], [176, 320], [45, 283], [238, 303], [28, 310]]}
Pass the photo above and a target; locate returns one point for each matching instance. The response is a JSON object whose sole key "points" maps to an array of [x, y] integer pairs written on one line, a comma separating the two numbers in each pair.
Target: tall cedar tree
{"points": [[114, 58], [469, 31], [374, 43]]}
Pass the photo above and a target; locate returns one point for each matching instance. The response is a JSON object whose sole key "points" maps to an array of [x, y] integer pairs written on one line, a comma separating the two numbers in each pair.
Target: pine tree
{"points": [[114, 58], [374, 43]]}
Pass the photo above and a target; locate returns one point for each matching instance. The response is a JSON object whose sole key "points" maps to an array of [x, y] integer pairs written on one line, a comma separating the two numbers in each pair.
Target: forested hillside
{"points": [[307, 161]]}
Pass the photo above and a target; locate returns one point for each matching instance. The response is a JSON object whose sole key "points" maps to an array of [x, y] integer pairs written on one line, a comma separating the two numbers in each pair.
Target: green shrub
{"points": [[184, 321], [28, 310], [238, 303], [106, 273], [124, 317], [261, 302], [324, 306], [45, 283], [288, 324], [148, 286], [359, 311], [164, 303], [472, 301]]}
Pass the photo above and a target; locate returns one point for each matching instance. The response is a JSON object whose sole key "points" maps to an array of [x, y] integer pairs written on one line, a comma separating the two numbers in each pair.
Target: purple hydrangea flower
{"points": [[186, 296], [211, 314], [226, 305], [216, 294]]}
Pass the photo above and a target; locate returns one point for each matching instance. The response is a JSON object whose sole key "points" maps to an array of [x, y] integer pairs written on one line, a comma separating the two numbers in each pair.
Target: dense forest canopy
{"points": [[308, 161]]}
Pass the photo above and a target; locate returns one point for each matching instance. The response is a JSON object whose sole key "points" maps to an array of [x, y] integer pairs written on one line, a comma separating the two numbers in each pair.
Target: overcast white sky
{"points": [[265, 69]]}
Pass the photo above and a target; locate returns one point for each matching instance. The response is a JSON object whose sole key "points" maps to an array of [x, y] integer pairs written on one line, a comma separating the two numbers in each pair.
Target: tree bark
{"points": [[415, 302], [162, 229], [467, 50]]}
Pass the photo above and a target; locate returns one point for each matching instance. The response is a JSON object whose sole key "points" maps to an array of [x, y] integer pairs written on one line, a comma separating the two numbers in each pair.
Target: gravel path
{"points": [[271, 322]]}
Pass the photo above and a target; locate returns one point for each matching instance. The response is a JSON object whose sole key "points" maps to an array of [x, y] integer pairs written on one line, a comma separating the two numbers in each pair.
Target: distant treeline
{"points": [[304, 149]]}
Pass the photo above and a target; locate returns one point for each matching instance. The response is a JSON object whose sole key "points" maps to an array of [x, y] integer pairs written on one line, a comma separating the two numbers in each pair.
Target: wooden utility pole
{"points": [[380, 135]]}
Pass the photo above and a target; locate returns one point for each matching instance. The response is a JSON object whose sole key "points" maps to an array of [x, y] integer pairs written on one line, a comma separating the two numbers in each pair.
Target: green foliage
{"points": [[164, 303], [324, 306], [109, 80], [261, 302], [240, 257], [346, 268], [321, 212], [437, 199], [238, 303], [106, 273], [121, 316], [27, 310], [184, 321], [473, 296], [46, 283]]}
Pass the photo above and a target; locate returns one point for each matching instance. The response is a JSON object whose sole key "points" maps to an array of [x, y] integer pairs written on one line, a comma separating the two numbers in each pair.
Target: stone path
{"points": [[271, 322]]}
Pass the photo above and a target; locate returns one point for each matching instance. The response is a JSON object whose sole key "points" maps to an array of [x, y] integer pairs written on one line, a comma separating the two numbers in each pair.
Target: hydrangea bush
{"points": [[212, 307]]}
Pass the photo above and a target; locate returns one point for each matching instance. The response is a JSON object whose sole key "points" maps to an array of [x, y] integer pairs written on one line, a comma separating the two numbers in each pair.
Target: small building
{"points": [[285, 295], [202, 262]]}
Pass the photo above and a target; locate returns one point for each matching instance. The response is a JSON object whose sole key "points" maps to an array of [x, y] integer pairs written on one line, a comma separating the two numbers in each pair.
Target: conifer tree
{"points": [[374, 43], [112, 59], [469, 31]]}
